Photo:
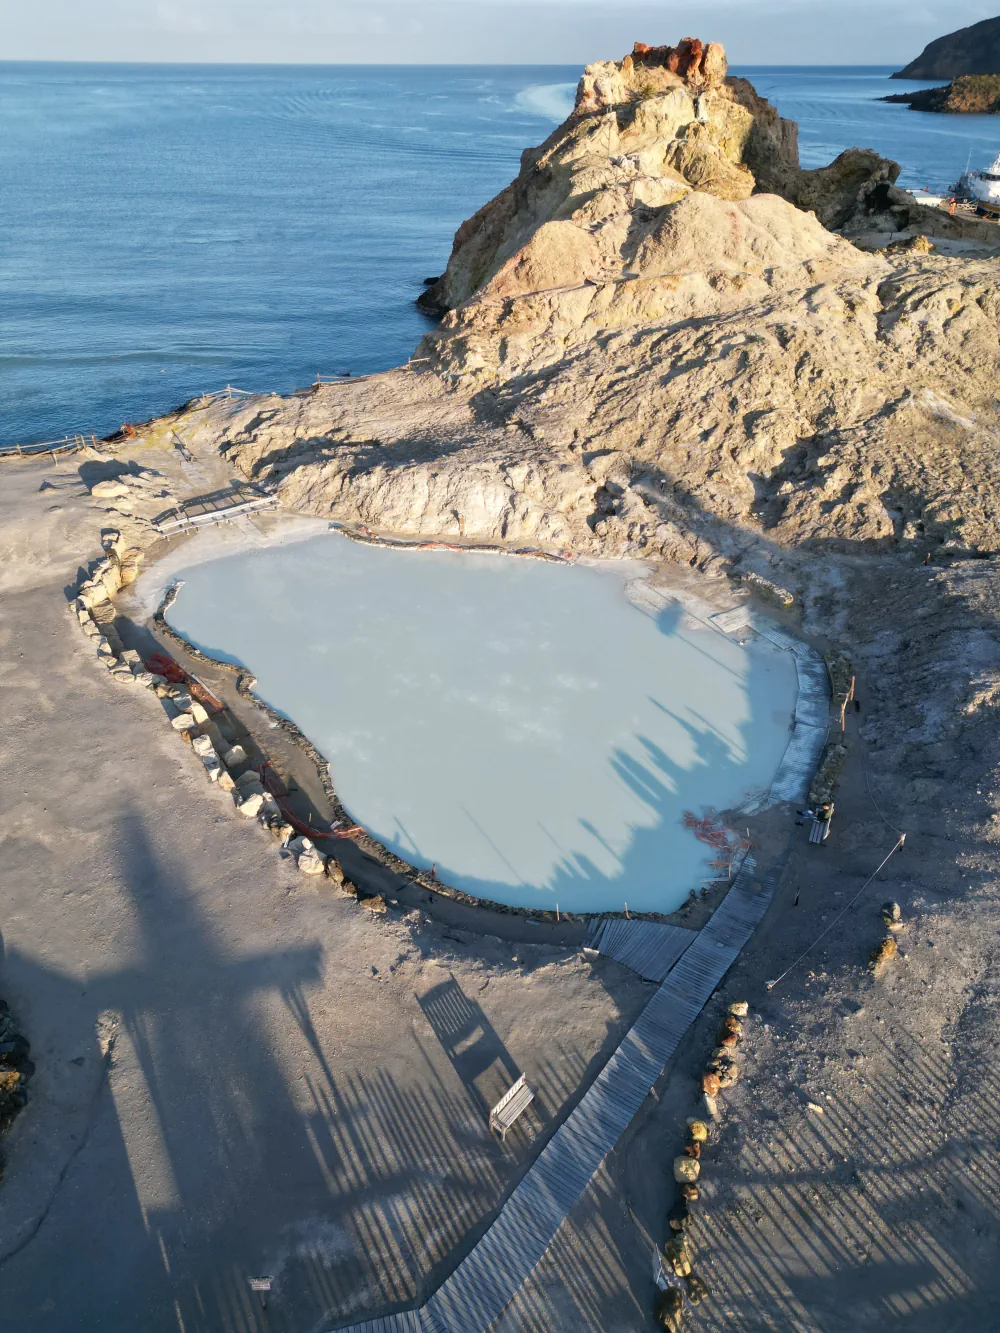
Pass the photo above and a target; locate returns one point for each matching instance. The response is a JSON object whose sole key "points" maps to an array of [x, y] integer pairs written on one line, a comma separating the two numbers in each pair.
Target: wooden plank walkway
{"points": [[232, 502], [647, 947], [486, 1281]]}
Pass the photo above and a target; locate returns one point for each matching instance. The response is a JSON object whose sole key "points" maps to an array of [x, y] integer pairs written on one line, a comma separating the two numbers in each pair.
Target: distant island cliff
{"points": [[972, 50]]}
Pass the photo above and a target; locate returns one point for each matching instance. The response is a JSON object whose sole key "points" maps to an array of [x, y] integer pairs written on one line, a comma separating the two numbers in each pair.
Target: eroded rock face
{"points": [[646, 131], [650, 70], [646, 351]]}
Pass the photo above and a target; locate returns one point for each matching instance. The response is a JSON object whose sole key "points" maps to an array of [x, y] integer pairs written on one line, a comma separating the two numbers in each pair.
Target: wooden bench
{"points": [[509, 1107]]}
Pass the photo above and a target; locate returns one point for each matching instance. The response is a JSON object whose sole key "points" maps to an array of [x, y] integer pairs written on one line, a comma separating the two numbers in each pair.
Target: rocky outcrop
{"points": [[646, 131], [649, 71], [972, 50], [972, 94], [644, 351]]}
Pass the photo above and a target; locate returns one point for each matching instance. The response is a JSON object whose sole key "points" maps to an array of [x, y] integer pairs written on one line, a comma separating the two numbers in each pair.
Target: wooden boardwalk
{"points": [[647, 947], [219, 507], [488, 1278]]}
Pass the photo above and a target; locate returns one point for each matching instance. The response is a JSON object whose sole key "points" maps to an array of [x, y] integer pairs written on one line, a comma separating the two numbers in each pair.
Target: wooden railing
{"points": [[69, 444]]}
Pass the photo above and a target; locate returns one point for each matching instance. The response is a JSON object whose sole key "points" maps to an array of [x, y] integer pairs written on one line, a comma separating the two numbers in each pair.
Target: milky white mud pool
{"points": [[518, 724]]}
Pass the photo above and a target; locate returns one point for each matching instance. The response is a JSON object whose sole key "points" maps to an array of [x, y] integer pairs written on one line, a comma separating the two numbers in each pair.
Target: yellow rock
{"points": [[686, 1169]]}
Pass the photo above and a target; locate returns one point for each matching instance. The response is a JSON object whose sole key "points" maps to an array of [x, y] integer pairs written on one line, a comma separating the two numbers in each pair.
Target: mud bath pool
{"points": [[520, 725]]}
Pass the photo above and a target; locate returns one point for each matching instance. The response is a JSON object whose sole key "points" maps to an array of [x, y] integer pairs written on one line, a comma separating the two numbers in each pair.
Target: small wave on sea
{"points": [[553, 101]]}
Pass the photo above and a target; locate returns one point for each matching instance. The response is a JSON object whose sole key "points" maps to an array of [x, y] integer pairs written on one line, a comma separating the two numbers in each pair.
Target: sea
{"points": [[168, 229]]}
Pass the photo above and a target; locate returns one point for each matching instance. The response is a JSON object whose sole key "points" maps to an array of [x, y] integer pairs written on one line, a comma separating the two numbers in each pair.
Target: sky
{"points": [[564, 32]]}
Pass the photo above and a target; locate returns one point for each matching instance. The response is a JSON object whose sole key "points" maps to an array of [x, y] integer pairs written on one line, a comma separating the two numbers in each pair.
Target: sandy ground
{"points": [[235, 1076]]}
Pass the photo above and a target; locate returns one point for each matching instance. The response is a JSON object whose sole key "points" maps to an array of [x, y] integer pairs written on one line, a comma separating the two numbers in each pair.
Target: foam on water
{"points": [[521, 725], [554, 100]]}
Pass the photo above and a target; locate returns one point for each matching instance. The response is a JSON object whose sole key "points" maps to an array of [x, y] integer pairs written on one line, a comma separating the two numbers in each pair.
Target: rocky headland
{"points": [[972, 50], [971, 94], [660, 338]]}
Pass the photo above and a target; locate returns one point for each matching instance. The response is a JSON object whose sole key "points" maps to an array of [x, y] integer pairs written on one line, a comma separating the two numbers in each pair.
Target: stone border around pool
{"points": [[119, 567]]}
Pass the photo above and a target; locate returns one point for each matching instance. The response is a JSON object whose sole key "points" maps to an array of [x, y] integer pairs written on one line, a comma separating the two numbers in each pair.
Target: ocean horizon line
{"points": [[395, 64]]}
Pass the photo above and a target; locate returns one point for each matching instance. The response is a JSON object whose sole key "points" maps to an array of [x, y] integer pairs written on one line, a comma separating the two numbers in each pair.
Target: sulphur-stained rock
{"points": [[728, 1072], [686, 1169], [698, 1130], [883, 954], [739, 1009], [677, 1253], [696, 1289], [694, 61], [669, 1310], [710, 1083]]}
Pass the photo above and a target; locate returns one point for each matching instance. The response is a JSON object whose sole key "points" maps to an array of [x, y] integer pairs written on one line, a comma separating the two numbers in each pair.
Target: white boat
{"points": [[983, 187]]}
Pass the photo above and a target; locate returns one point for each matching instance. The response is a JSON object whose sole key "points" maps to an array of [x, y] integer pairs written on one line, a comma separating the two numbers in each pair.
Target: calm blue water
{"points": [[170, 229], [534, 762]]}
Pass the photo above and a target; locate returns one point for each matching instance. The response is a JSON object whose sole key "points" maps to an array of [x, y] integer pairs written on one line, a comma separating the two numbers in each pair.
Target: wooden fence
{"points": [[69, 444]]}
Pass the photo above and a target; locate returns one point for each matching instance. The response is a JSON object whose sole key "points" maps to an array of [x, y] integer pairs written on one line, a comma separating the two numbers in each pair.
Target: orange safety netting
{"points": [[160, 664], [709, 829]]}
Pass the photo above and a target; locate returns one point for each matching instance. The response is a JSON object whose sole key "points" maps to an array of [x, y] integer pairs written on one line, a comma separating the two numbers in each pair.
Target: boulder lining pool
{"points": [[521, 726]]}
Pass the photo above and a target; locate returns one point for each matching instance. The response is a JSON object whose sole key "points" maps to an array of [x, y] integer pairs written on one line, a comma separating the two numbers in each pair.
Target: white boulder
{"points": [[250, 802], [108, 490], [309, 860]]}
